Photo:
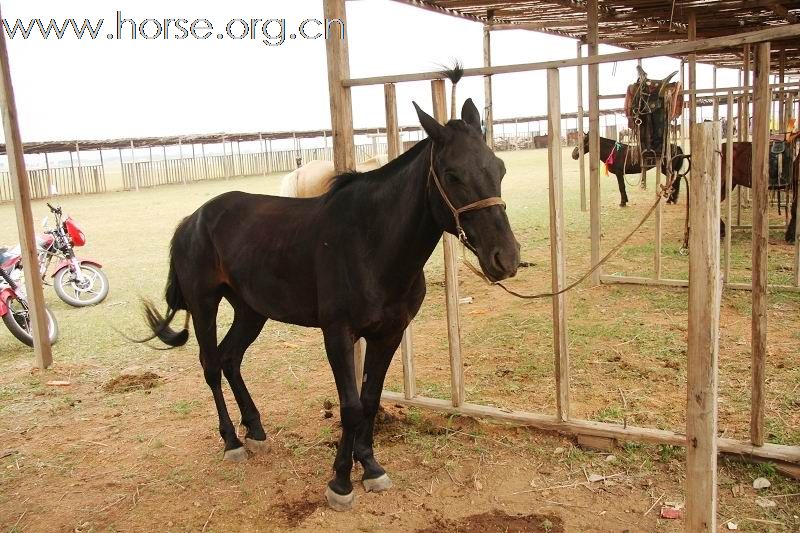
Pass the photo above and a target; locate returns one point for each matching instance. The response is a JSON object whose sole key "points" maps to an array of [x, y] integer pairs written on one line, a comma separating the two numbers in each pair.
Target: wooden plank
{"points": [[657, 244], [674, 49], [488, 113], [797, 223], [581, 162], [393, 148], [728, 170], [594, 142], [634, 280], [705, 292], [778, 452], [20, 186], [692, 27], [557, 261], [344, 154], [760, 177], [450, 245], [715, 103]]}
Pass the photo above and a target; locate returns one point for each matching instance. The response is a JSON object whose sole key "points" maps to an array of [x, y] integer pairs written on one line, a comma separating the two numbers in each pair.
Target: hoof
{"points": [[236, 455], [623, 205], [378, 484], [256, 446], [339, 502]]}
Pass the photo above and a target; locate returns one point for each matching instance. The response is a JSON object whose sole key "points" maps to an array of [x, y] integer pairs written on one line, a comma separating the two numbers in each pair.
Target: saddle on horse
{"points": [[650, 106]]}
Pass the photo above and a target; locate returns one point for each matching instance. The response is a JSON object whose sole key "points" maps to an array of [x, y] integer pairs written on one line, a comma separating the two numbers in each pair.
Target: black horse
{"points": [[349, 262], [625, 162]]}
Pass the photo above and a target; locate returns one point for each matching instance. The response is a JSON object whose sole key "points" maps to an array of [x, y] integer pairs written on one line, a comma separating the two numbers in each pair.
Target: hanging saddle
{"points": [[650, 106]]}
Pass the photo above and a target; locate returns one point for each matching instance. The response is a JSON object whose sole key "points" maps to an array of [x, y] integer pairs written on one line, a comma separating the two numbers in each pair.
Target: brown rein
{"points": [[496, 200]]}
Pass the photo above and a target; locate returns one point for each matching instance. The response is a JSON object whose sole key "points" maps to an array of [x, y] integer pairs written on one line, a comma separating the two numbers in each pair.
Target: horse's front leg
{"points": [[379, 354], [623, 194], [339, 347]]}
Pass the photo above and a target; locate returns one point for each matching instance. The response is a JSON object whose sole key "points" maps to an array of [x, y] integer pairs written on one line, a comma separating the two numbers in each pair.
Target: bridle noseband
{"points": [[480, 204]]}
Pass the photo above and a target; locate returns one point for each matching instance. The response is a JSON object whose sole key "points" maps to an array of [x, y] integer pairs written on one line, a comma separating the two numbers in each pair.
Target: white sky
{"points": [[90, 89]]}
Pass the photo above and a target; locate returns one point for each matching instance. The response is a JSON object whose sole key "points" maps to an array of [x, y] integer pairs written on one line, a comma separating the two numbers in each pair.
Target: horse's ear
{"points": [[471, 115], [431, 126]]}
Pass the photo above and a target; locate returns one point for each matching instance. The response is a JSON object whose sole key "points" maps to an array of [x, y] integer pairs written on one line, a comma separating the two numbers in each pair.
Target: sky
{"points": [[103, 88]]}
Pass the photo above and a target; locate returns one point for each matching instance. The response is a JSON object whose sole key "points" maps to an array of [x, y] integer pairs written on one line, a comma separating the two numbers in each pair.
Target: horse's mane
{"points": [[347, 179]]}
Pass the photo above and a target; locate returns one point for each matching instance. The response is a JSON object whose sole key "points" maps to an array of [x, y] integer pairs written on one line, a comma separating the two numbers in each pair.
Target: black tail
{"points": [[158, 324]]}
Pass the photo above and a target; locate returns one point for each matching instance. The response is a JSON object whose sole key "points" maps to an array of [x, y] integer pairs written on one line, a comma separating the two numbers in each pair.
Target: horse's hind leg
{"points": [[204, 317], [376, 363], [247, 324]]}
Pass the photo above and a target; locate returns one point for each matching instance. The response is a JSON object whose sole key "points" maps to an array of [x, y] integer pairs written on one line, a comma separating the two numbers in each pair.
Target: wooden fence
{"points": [[148, 173], [87, 179]]}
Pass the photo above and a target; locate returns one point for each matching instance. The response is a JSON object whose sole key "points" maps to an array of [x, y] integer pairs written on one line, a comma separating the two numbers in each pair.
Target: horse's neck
{"points": [[400, 206]]}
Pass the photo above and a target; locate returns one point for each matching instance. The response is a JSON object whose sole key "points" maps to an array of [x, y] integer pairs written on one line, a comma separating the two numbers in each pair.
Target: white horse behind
{"points": [[314, 178]]}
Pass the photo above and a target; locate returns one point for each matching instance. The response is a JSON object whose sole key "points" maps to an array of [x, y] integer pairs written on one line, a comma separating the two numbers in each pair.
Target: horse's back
{"points": [[312, 179]]}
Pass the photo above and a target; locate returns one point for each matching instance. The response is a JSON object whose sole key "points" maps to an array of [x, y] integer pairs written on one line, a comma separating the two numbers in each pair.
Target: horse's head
{"points": [[576, 153], [467, 172]]}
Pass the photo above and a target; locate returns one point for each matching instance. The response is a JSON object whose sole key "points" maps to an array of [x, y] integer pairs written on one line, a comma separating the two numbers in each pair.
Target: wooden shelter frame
{"points": [[705, 286]]}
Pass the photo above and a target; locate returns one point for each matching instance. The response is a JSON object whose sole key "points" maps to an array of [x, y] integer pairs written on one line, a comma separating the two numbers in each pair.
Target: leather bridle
{"points": [[480, 204]]}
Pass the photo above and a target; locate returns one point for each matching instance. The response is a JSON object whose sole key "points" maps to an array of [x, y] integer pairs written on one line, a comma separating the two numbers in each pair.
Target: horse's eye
{"points": [[452, 176]]}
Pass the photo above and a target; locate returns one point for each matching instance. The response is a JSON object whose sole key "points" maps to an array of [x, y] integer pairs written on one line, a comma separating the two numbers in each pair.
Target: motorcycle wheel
{"points": [[18, 322], [94, 291]]}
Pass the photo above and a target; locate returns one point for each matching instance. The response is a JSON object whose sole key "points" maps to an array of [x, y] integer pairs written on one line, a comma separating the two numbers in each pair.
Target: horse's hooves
{"points": [[623, 204], [236, 455], [256, 446], [378, 484], [339, 502]]}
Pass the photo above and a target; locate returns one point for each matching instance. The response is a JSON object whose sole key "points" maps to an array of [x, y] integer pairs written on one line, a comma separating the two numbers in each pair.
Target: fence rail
{"points": [[45, 183]]}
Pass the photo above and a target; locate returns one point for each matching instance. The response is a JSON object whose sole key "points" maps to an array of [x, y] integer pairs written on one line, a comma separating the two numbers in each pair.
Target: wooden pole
{"points": [[728, 170], [715, 115], [760, 177], [180, 165], [102, 168], [746, 85], [657, 270], [21, 187], [705, 292], [262, 147], [80, 166], [135, 167], [450, 246], [594, 141], [393, 148], [692, 76], [643, 177], [344, 152], [51, 186], [581, 162], [781, 80], [488, 112], [558, 265]]}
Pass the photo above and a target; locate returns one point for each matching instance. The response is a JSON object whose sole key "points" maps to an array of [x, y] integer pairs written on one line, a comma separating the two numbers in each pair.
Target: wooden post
{"points": [[658, 224], [225, 159], [705, 292], [262, 147], [344, 152], [643, 177], [692, 76], [135, 167], [393, 148], [581, 162], [80, 169], [557, 261], [728, 170], [21, 187], [102, 169], [488, 112], [745, 93], [180, 163], [594, 142], [760, 177], [51, 186], [781, 93], [715, 99], [450, 246]]}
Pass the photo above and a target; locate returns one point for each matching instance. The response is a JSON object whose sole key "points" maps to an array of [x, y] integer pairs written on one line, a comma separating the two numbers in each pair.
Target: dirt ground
{"points": [[130, 444]]}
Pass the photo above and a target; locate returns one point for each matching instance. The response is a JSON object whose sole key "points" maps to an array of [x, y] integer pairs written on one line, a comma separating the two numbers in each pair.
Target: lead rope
{"points": [[665, 190]]}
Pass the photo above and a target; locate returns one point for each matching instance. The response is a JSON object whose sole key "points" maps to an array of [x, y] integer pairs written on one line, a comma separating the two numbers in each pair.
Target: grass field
{"points": [[149, 459]]}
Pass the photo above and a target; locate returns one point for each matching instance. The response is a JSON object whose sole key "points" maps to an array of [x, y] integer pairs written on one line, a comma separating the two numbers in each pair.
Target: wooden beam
{"points": [[777, 452], [581, 162], [557, 261], [705, 293], [692, 76], [488, 112], [760, 178], [344, 154], [594, 142], [21, 188], [674, 49], [450, 246]]}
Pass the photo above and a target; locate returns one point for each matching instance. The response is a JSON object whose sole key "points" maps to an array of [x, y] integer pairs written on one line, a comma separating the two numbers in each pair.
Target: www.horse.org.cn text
{"points": [[269, 31]]}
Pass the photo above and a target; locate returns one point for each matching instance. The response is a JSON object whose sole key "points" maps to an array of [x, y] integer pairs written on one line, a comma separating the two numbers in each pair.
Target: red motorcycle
{"points": [[14, 307], [79, 282]]}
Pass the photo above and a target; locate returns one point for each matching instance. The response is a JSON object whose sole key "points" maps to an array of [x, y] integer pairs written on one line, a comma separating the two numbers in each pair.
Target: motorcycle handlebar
{"points": [[55, 210]]}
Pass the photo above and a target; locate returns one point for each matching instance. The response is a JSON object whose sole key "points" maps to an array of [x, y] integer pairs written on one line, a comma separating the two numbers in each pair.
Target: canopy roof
{"points": [[637, 24]]}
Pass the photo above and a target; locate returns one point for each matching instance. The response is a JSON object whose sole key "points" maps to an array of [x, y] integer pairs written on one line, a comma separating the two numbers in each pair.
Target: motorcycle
{"points": [[14, 308], [79, 282]]}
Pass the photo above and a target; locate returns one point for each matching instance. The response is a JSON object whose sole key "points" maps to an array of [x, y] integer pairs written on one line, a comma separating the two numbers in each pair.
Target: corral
{"points": [[627, 358]]}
